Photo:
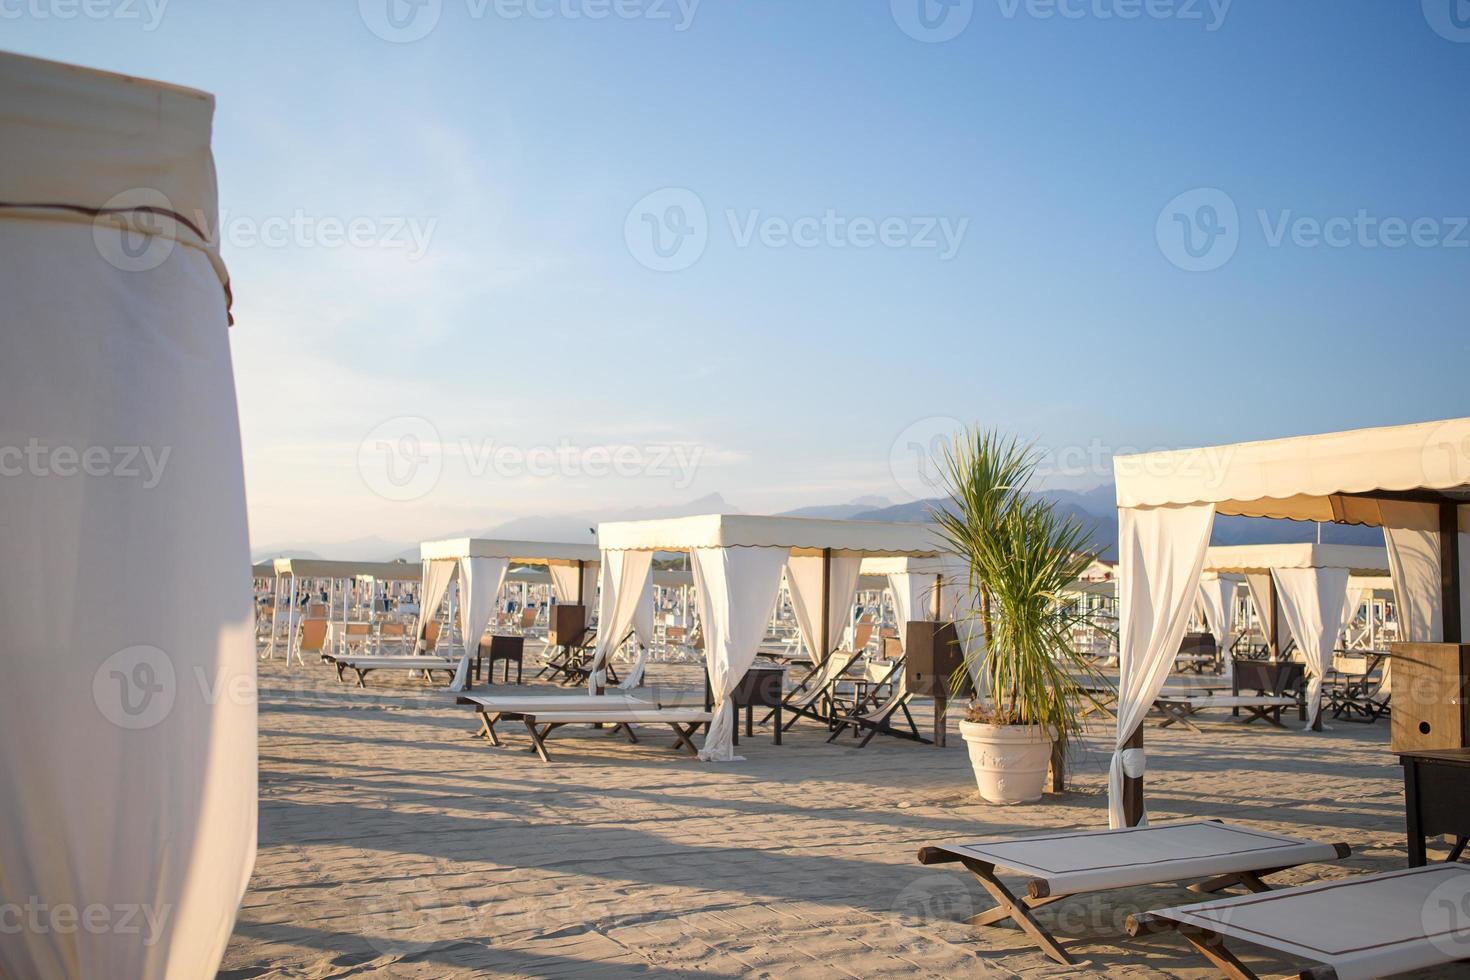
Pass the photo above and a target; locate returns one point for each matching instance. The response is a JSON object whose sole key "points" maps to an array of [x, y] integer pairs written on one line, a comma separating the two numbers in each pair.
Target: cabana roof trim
{"points": [[1330, 477], [392, 571], [803, 535], [519, 552], [1360, 560]]}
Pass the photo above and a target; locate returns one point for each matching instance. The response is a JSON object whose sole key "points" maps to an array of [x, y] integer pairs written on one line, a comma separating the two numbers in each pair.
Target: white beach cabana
{"points": [[482, 564], [738, 561], [1302, 591], [292, 571], [128, 726], [1411, 480]]}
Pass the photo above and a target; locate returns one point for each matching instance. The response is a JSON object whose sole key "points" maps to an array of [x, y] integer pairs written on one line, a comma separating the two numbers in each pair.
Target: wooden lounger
{"points": [[1360, 927], [1058, 865], [543, 718], [1179, 707], [878, 718], [366, 665]]}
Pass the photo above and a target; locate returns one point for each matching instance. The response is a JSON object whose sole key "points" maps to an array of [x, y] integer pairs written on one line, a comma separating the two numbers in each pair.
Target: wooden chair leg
{"points": [[1212, 948], [1018, 911], [536, 740]]}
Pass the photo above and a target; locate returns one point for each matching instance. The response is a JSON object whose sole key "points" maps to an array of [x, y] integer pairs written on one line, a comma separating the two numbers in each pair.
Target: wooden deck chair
{"points": [[877, 718], [311, 638], [813, 696], [358, 637], [528, 619], [393, 635], [1362, 695], [1374, 925], [431, 634], [316, 610], [1212, 854]]}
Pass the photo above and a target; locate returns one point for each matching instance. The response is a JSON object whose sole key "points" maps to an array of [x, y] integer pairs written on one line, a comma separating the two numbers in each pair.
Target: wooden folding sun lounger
{"points": [[543, 715], [1357, 928], [1059, 865], [878, 718], [366, 665], [1178, 707]]}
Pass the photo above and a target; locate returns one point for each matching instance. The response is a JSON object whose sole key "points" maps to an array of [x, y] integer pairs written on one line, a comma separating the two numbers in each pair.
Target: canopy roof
{"points": [[1243, 558], [1338, 476], [520, 552], [262, 569], [803, 535], [392, 571]]}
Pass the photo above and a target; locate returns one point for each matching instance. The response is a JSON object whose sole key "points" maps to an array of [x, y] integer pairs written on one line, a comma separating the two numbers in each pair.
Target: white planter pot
{"points": [[1010, 761]]}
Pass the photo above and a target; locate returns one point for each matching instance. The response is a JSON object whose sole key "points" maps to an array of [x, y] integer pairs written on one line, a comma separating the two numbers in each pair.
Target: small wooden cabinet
{"points": [[1430, 707]]}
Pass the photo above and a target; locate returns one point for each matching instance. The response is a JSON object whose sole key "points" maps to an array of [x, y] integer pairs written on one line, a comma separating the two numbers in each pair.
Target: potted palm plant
{"points": [[1021, 554]]}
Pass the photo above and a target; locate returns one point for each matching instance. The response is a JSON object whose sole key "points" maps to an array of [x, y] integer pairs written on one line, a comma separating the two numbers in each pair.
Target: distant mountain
{"points": [[841, 512], [1097, 510]]}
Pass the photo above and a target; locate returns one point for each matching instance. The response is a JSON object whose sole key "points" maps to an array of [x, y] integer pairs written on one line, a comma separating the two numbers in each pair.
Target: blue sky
{"points": [[525, 317]]}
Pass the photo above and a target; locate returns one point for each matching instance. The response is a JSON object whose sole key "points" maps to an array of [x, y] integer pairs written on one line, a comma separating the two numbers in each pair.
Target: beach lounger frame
{"points": [[877, 719], [540, 722], [1178, 709], [819, 703], [1208, 926], [1211, 871], [364, 665]]}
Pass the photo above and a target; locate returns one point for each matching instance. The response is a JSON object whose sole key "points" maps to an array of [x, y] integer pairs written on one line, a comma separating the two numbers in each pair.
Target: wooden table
{"points": [[1436, 799]]}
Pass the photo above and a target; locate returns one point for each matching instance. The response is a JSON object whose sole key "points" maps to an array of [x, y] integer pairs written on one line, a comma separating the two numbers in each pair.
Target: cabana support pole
{"points": [[1273, 615], [826, 607], [1133, 785], [1449, 570]]}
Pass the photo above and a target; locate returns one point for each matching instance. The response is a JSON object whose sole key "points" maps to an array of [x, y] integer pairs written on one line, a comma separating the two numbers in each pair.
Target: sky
{"points": [[499, 258]]}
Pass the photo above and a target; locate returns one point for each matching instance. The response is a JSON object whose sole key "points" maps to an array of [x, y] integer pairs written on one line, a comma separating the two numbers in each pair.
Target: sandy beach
{"points": [[393, 843]]}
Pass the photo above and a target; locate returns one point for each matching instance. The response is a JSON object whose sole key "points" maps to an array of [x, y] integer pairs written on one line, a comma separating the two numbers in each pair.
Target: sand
{"points": [[394, 844]]}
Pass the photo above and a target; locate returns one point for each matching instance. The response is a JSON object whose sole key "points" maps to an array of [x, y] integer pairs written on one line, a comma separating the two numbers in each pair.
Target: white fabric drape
{"points": [[437, 576], [564, 580], [625, 603], [127, 706], [480, 580], [1258, 584], [804, 577], [1218, 595], [1413, 562], [1161, 554], [736, 594], [910, 590], [1312, 602], [643, 631]]}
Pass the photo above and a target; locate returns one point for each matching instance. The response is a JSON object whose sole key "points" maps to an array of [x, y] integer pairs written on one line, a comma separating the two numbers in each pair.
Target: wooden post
{"points": [[941, 694], [1133, 785], [1449, 571], [827, 644], [581, 573], [1275, 613]]}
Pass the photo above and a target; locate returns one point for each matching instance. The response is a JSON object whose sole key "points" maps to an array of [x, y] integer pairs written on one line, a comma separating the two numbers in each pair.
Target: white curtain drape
{"points": [[804, 577], [434, 586], [1217, 593], [128, 702], [480, 580], [564, 580], [1413, 561], [643, 631], [1161, 554], [911, 591], [625, 602], [736, 594], [1313, 602], [1258, 584]]}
